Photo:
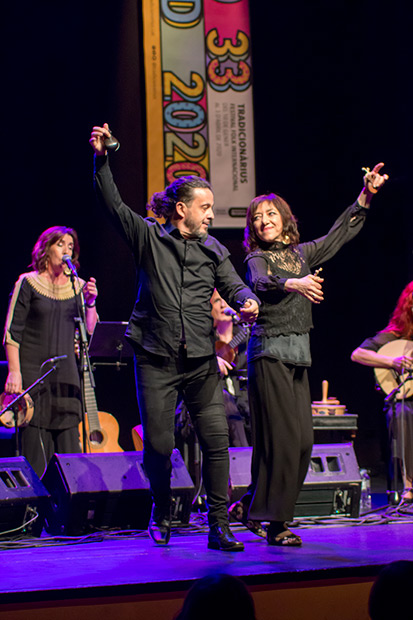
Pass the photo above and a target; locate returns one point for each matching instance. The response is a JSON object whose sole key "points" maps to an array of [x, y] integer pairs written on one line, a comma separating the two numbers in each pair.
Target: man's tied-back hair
{"points": [[181, 190]]}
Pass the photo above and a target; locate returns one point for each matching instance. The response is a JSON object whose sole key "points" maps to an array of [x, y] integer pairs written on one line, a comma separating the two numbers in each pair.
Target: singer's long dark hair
{"points": [[48, 237]]}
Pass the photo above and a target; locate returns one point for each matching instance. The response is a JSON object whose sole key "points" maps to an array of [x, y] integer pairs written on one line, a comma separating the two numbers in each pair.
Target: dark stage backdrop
{"points": [[332, 93]]}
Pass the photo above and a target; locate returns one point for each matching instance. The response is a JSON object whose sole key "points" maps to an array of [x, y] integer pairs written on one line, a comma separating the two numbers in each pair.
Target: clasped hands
{"points": [[309, 286], [249, 311]]}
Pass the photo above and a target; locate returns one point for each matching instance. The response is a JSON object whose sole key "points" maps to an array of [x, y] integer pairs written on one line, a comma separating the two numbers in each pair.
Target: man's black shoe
{"points": [[221, 538], [159, 527]]}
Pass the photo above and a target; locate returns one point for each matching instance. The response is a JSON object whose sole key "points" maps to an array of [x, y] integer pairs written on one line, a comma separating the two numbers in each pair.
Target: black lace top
{"points": [[286, 313]]}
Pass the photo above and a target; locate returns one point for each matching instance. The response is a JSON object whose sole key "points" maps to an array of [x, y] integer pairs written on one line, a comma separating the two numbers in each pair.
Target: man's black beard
{"points": [[197, 234]]}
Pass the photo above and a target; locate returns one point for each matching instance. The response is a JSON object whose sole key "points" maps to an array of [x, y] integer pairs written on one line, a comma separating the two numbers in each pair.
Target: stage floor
{"points": [[120, 565]]}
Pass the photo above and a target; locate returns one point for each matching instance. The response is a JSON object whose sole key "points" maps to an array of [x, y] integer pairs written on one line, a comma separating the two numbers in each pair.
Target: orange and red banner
{"points": [[199, 99]]}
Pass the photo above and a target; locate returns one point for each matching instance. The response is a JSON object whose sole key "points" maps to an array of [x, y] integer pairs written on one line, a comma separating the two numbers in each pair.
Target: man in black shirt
{"points": [[178, 266]]}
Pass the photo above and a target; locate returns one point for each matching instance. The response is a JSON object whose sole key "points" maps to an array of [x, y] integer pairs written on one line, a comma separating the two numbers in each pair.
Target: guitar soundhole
{"points": [[96, 437]]}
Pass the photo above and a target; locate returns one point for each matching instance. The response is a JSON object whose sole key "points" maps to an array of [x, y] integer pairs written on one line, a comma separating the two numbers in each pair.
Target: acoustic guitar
{"points": [[102, 429], [228, 350], [388, 378]]}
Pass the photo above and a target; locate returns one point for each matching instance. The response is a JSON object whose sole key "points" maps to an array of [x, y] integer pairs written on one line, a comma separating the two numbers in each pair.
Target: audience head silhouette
{"points": [[218, 597], [389, 591]]}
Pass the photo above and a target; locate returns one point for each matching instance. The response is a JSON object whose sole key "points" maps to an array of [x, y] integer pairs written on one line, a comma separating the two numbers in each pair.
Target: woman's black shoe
{"points": [[239, 512], [221, 538], [282, 536]]}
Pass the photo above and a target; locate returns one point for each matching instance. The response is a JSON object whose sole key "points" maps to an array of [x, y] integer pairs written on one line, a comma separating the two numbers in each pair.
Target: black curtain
{"points": [[332, 93]]}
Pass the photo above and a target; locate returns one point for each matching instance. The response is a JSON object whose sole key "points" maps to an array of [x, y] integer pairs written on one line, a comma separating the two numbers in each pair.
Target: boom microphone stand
{"points": [[15, 404], [83, 342], [393, 494]]}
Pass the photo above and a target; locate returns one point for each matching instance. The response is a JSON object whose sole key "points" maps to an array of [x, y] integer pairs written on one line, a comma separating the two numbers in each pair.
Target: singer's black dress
{"points": [[40, 322]]}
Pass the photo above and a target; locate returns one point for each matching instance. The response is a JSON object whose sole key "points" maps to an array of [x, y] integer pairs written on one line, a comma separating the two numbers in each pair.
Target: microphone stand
{"points": [[85, 365], [15, 404], [392, 493]]}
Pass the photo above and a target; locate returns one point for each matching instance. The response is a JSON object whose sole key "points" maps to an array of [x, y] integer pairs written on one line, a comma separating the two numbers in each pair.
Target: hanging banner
{"points": [[199, 99]]}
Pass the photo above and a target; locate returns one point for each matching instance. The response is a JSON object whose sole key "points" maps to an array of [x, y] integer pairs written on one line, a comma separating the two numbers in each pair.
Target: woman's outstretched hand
{"points": [[373, 182]]}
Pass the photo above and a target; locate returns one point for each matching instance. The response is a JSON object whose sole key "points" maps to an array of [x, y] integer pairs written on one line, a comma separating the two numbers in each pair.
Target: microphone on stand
{"points": [[53, 360], [67, 259], [230, 312]]}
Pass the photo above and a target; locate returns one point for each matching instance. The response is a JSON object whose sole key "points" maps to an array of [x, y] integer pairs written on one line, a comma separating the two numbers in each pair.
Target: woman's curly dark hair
{"points": [[290, 230], [48, 237], [181, 190]]}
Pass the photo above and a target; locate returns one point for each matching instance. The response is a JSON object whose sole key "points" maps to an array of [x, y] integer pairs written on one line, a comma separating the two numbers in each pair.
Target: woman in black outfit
{"points": [[279, 272], [40, 324]]}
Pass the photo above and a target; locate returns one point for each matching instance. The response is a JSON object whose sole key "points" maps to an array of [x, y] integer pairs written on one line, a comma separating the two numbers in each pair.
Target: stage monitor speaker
{"points": [[23, 498], [332, 485], [91, 492]]}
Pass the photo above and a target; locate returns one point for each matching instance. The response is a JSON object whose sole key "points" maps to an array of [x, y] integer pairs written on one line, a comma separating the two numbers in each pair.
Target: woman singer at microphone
{"points": [[40, 325]]}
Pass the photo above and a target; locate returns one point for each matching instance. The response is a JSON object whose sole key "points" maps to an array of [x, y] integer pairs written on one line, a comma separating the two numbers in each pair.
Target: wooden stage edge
{"points": [[317, 599], [329, 577]]}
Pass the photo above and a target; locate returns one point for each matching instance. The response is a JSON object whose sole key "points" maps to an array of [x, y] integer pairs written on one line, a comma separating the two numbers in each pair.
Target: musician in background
{"points": [[370, 353], [231, 349], [40, 325]]}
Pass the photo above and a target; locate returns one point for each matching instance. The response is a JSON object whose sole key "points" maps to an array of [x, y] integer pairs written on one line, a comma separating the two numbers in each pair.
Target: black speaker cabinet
{"points": [[102, 491], [332, 485], [23, 498], [96, 491]]}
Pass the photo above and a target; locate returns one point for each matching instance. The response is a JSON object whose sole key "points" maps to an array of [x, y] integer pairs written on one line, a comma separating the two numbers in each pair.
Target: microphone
{"points": [[112, 143], [52, 360], [66, 259], [230, 312]]}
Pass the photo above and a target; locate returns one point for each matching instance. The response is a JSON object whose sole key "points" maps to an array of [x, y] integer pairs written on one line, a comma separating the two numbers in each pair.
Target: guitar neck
{"points": [[237, 339], [90, 403]]}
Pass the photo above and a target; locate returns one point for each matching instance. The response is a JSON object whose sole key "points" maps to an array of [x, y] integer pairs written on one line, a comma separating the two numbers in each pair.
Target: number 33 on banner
{"points": [[228, 51]]}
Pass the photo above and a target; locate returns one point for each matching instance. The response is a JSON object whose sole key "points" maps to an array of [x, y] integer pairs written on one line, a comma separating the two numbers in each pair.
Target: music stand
{"points": [[108, 341]]}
